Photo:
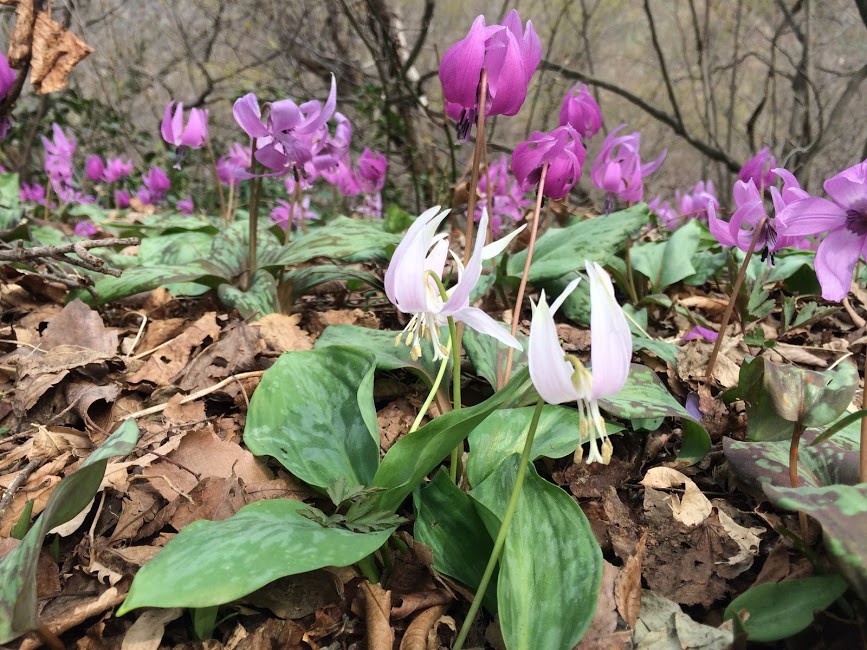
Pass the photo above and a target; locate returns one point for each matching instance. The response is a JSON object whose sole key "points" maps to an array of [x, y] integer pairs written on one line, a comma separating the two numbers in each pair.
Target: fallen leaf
{"points": [[395, 420], [164, 364], [377, 608], [664, 625], [298, 595], [627, 586], [604, 620], [693, 508], [417, 634], [147, 631], [21, 37], [282, 334], [55, 52], [320, 320], [213, 499], [234, 352], [79, 325]]}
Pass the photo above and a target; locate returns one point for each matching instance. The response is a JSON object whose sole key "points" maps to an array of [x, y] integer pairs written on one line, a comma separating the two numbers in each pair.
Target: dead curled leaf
{"points": [[22, 33], [377, 607], [55, 52], [416, 635]]}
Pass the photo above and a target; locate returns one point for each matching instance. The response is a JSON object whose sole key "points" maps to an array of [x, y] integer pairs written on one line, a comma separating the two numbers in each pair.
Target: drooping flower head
{"points": [[32, 193], [561, 150], [299, 212], [58, 156], [233, 167], [618, 169], [372, 166], [185, 205], [193, 135], [508, 52], [156, 186], [559, 378], [121, 198], [501, 195], [693, 204], [94, 168], [758, 169], [667, 215], [343, 177], [116, 169], [411, 284], [285, 138], [843, 217], [581, 112]]}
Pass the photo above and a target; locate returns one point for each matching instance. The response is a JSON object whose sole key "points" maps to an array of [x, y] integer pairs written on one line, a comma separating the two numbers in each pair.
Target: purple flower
{"points": [[667, 215], [693, 205], [561, 150], [500, 195], [94, 168], [343, 177], [233, 167], [32, 193], [371, 205], [699, 332], [116, 169], [758, 169], [372, 166], [58, 156], [7, 76], [327, 150], [193, 135], [185, 205], [618, 169], [844, 218], [581, 112], [693, 407], [409, 288], [121, 198], [156, 185], [84, 229], [299, 211], [285, 138], [559, 378], [509, 53]]}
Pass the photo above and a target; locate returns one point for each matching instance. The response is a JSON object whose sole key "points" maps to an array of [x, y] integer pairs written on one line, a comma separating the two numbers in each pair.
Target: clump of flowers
{"points": [[759, 170], [501, 195], [690, 205], [155, 186], [297, 211]]}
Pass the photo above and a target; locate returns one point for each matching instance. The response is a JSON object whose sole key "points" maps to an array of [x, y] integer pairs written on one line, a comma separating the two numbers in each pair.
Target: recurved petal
{"points": [[495, 248], [719, 228], [484, 324], [249, 117], [550, 372], [835, 262], [404, 279], [810, 216], [462, 65], [610, 338], [166, 127], [849, 187], [460, 294]]}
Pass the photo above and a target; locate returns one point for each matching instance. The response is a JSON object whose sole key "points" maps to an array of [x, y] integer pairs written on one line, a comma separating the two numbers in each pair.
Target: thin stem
{"points": [[630, 278], [735, 289], [456, 395], [253, 218], [793, 470], [433, 390], [516, 312], [504, 528], [217, 178], [367, 565], [477, 157], [230, 208], [863, 467]]}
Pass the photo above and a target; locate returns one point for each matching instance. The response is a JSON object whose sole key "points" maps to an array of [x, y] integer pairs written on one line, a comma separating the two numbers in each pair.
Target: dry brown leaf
{"points": [[693, 356], [185, 413], [234, 352], [416, 635], [712, 306], [395, 420], [147, 632], [158, 332], [693, 508], [213, 499], [39, 487], [282, 334], [22, 34], [140, 504], [54, 54], [411, 603], [746, 538], [320, 320], [50, 442], [604, 620], [93, 403], [377, 608], [164, 364], [627, 586], [79, 325]]}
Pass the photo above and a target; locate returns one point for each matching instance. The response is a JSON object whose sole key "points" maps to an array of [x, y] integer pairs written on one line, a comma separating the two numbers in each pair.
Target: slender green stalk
{"points": [[504, 528], [217, 178], [456, 396], [433, 390], [367, 565], [253, 219]]}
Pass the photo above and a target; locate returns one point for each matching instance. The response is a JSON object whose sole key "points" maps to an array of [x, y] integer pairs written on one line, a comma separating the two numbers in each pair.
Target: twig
{"points": [[17, 253], [16, 484]]}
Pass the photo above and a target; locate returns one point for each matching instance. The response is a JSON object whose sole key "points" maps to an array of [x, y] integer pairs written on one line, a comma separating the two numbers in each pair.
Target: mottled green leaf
{"points": [[344, 239], [551, 565], [10, 206], [782, 609], [487, 354], [447, 522], [215, 562], [18, 569], [144, 278], [230, 250], [306, 277], [260, 298], [842, 511], [563, 250], [175, 248], [313, 411], [668, 262]]}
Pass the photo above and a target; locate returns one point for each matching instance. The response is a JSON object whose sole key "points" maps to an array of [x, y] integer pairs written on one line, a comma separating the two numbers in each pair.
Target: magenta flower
{"points": [[371, 205], [699, 332], [7, 76], [94, 168], [693, 205], [121, 198], [508, 52], [618, 169], [372, 166], [185, 205], [758, 169], [234, 166], [58, 156], [193, 135], [285, 138], [501, 196], [328, 150], [84, 229], [561, 150], [844, 218], [667, 215], [581, 112], [156, 186], [116, 169], [299, 211], [559, 378], [343, 177], [410, 289], [32, 193]]}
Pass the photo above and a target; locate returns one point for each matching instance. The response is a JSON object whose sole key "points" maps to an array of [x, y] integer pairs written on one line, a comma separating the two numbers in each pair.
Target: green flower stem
{"points": [[255, 188], [367, 566], [433, 390], [456, 395], [504, 528]]}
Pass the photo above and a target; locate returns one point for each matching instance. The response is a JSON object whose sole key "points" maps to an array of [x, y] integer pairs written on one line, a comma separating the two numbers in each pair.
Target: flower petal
{"points": [[550, 372], [484, 324], [495, 248], [810, 216], [835, 262], [610, 338], [248, 116], [460, 293], [849, 187]]}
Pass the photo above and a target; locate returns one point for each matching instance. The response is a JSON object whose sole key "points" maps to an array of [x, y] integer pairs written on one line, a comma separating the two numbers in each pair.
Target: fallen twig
{"points": [[17, 253]]}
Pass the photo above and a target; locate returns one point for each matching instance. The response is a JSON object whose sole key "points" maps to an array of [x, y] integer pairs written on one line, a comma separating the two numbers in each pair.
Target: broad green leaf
{"points": [[447, 522], [780, 610], [487, 354], [344, 239], [380, 343], [842, 511], [306, 277], [176, 248], [313, 411], [668, 262], [563, 250], [415, 455], [230, 249], [215, 562], [166, 222], [503, 433], [18, 569], [259, 300], [551, 565], [662, 349], [10, 205], [144, 278]]}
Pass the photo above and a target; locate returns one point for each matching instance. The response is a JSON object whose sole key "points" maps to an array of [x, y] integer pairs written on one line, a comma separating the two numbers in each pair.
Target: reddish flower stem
{"points": [[519, 301]]}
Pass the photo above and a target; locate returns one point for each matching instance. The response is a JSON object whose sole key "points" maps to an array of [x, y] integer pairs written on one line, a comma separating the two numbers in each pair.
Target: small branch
{"points": [[17, 253], [17, 482]]}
